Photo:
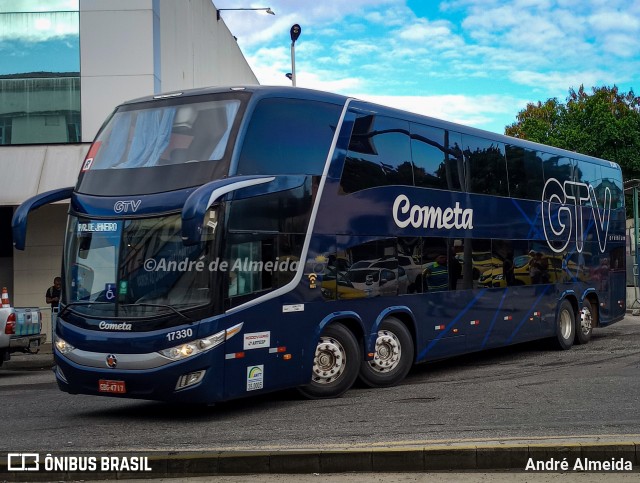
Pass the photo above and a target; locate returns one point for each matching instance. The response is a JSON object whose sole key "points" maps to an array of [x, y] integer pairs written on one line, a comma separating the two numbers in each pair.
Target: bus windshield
{"points": [[133, 268], [176, 134], [171, 144]]}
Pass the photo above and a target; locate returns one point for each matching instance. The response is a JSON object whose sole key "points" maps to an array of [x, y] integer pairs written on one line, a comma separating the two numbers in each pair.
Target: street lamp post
{"points": [[295, 33], [266, 9]]}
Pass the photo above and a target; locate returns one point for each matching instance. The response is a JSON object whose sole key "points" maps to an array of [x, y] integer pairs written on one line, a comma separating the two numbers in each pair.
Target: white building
{"points": [[64, 66]]}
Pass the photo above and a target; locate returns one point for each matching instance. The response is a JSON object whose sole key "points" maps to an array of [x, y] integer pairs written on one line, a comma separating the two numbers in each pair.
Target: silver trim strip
{"points": [[236, 186], [126, 362], [312, 221]]}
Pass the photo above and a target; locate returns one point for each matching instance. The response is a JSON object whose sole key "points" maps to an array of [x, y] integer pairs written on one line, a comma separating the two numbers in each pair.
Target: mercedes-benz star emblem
{"points": [[112, 361]]}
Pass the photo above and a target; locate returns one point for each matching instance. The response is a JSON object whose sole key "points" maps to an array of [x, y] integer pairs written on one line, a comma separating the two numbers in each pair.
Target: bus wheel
{"points": [[565, 326], [335, 364], [393, 356], [585, 323]]}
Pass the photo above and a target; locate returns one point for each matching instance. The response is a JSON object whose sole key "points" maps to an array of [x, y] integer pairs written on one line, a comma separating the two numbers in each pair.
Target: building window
{"points": [[39, 72]]}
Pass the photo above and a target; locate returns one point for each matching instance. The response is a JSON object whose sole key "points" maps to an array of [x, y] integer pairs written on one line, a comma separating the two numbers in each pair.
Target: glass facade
{"points": [[39, 71]]}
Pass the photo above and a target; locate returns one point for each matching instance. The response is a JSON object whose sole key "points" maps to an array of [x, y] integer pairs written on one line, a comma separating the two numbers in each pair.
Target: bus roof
{"points": [[259, 92]]}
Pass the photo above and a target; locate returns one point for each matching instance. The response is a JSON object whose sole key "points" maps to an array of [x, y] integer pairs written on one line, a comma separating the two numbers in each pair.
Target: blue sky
{"points": [[477, 62]]}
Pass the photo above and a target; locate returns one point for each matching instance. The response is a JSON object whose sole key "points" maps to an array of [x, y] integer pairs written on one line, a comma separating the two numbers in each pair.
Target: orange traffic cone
{"points": [[5, 298]]}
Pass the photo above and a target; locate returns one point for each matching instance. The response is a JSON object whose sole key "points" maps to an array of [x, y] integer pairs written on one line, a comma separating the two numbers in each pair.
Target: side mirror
{"points": [[19, 221], [199, 202]]}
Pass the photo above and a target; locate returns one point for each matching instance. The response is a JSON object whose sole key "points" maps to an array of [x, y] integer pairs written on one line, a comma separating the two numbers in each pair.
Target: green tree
{"points": [[604, 123]]}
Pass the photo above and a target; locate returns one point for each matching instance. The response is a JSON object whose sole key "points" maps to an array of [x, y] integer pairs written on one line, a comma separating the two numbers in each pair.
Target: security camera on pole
{"points": [[295, 33]]}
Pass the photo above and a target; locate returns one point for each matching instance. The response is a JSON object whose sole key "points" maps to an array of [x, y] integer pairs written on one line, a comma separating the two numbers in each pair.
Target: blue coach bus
{"points": [[232, 241]]}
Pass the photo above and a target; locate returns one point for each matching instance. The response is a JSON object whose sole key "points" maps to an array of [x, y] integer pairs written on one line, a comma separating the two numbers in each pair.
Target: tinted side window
{"points": [[256, 263], [432, 260], [372, 269], [557, 167], [429, 153], [524, 169], [611, 179], [588, 173], [379, 154], [488, 172], [288, 136], [284, 211], [455, 162]]}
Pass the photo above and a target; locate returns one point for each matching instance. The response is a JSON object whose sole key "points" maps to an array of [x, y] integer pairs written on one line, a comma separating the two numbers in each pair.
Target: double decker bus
{"points": [[227, 242]]}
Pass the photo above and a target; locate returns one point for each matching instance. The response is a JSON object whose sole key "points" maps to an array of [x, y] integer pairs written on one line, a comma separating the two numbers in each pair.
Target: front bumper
{"points": [[158, 383]]}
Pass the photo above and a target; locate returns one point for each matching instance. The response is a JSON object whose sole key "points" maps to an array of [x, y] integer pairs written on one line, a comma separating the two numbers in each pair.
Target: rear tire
{"points": [[565, 326], [393, 355], [335, 364], [585, 323]]}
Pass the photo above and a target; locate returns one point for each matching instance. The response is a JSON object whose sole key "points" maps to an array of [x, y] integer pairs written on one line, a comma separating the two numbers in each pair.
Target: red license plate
{"points": [[117, 387]]}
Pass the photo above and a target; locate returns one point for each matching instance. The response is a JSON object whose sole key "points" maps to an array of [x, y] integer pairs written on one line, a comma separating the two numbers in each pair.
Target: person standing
{"points": [[53, 298], [53, 294]]}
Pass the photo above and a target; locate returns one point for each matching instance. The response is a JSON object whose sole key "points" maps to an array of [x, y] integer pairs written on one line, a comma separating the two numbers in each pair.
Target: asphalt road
{"points": [[522, 393]]}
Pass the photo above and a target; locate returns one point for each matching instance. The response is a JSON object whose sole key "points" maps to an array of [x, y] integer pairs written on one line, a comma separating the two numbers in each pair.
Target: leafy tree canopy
{"points": [[604, 123]]}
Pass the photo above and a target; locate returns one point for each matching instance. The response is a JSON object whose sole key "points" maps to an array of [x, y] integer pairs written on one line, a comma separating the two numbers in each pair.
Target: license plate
{"points": [[117, 387], [34, 344]]}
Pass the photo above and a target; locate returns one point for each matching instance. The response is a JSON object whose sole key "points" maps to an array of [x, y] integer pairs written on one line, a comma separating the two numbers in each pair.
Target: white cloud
{"points": [[478, 111], [254, 29], [614, 21], [423, 31], [560, 81]]}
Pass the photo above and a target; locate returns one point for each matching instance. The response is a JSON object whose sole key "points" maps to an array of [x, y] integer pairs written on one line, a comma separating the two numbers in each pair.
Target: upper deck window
{"points": [[379, 154], [164, 145], [166, 135], [288, 136]]}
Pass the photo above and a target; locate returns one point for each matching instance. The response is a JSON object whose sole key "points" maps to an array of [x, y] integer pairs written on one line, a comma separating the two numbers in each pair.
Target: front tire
{"points": [[585, 322], [335, 364], [393, 355], [565, 326]]}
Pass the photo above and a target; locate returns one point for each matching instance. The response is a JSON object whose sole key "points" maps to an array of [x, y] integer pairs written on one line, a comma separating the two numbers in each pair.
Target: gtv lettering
{"points": [[562, 212], [405, 214], [127, 206]]}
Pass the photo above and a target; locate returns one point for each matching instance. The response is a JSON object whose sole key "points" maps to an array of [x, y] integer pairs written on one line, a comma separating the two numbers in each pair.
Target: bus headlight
{"points": [[63, 346], [194, 347]]}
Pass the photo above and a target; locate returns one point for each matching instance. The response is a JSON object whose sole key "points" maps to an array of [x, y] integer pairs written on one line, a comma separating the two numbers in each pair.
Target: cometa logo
{"points": [[405, 214], [114, 326]]}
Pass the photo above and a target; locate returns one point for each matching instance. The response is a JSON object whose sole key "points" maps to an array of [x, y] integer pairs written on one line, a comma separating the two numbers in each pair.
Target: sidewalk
{"points": [[20, 361]]}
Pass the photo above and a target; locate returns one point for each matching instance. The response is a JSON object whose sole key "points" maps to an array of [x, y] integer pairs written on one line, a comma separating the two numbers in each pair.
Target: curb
{"points": [[374, 460], [394, 459]]}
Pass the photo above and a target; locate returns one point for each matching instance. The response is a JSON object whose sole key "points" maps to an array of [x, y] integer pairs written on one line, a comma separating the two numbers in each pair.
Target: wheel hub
{"points": [[329, 361], [565, 325], [388, 352], [586, 321]]}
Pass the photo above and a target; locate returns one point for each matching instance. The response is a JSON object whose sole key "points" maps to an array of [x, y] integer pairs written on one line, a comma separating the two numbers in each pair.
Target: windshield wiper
{"points": [[82, 302], [89, 302], [164, 306]]}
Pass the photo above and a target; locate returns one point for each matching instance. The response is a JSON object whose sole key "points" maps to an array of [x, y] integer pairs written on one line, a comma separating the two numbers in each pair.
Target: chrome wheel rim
{"points": [[329, 361], [586, 321], [565, 324], [388, 352]]}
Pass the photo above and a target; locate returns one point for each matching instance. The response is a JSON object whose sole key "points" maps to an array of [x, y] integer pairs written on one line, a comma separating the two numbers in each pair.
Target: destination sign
{"points": [[97, 226]]}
